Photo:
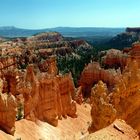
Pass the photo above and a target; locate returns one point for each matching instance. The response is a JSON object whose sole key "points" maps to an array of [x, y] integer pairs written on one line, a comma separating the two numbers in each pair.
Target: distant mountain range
{"points": [[11, 31]]}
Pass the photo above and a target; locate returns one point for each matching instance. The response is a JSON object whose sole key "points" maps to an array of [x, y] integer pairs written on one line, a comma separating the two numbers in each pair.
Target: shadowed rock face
{"points": [[122, 102], [133, 30], [49, 66], [114, 59], [7, 111], [93, 73], [7, 62]]}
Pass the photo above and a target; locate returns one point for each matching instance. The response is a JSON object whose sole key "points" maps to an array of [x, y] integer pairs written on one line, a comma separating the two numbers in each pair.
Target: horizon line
{"points": [[63, 27]]}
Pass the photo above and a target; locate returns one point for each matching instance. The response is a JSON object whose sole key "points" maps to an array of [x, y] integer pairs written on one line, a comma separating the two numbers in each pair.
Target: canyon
{"points": [[114, 92], [38, 98]]}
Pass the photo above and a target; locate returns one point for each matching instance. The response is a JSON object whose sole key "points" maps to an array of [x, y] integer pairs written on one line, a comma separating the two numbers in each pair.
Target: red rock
{"points": [[48, 97], [92, 73], [79, 97], [123, 99], [50, 37], [135, 52], [115, 58], [7, 111], [102, 112], [8, 62]]}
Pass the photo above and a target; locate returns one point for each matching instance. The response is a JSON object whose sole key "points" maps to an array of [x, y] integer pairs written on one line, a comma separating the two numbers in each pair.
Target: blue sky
{"points": [[37, 14]]}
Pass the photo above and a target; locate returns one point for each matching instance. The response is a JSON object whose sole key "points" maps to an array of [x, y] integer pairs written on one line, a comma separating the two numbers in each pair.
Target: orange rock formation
{"points": [[122, 102], [93, 73], [115, 58], [7, 62], [7, 111], [48, 97], [135, 52]]}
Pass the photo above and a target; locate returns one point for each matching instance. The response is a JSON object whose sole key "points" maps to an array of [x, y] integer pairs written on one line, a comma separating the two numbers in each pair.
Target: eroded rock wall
{"points": [[115, 58], [123, 102], [135, 52], [7, 111], [48, 97], [7, 62], [93, 73]]}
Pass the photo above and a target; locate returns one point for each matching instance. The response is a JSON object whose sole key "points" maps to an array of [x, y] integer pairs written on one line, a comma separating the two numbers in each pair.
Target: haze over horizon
{"points": [[40, 14]]}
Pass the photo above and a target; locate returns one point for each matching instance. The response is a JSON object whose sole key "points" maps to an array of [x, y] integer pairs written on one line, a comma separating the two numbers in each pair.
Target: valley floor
{"points": [[67, 129]]}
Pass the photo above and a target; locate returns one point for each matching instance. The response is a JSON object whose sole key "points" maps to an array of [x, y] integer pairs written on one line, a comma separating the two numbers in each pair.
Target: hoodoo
{"points": [[37, 89]]}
